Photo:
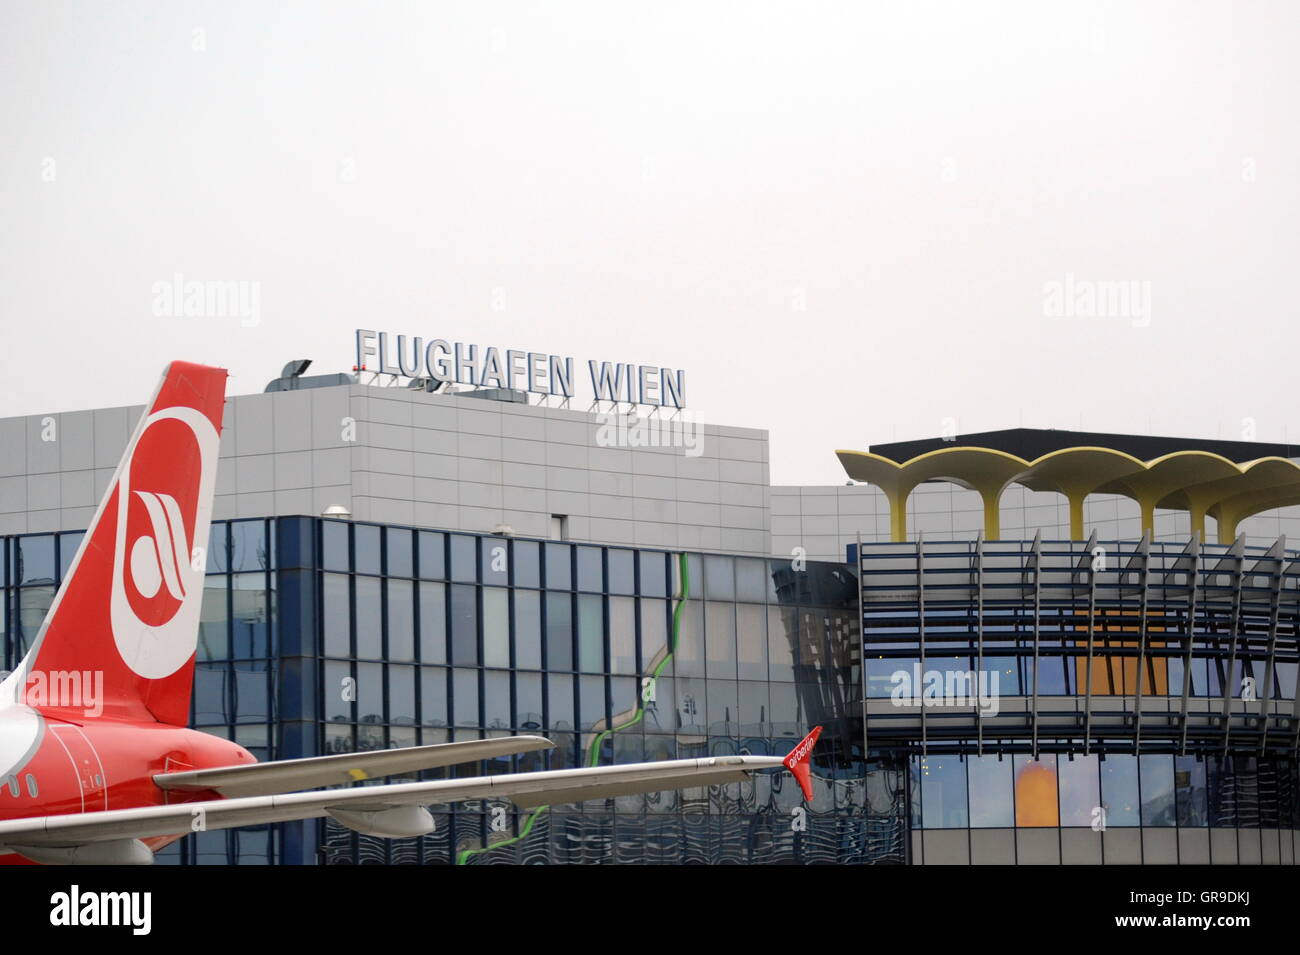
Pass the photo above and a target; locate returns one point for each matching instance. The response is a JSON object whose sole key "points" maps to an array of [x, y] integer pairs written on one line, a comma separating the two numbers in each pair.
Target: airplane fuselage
{"points": [[52, 764]]}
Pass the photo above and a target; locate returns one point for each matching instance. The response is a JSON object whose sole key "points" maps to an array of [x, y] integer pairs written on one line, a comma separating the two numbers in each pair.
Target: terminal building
{"points": [[1026, 646]]}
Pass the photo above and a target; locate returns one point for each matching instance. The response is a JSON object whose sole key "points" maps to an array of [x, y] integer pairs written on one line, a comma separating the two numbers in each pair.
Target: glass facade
{"points": [[320, 636], [1118, 790], [617, 655], [323, 636]]}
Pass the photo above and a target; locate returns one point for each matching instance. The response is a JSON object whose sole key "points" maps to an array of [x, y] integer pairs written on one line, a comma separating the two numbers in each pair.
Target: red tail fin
{"points": [[120, 636], [798, 762]]}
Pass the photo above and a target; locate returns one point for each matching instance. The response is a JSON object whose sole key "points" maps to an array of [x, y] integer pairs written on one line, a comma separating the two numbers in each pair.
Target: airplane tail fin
{"points": [[120, 636], [798, 762]]}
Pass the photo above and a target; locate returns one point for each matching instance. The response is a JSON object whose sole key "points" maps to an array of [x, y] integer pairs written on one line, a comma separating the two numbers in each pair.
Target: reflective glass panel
{"points": [[992, 800], [496, 627], [433, 623]]}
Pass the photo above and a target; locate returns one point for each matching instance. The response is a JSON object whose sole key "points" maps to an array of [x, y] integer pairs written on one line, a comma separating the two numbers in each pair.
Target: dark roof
{"points": [[1030, 443]]}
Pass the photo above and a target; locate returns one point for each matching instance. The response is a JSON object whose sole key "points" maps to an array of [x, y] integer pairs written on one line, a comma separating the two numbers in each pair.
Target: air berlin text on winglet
{"points": [[518, 369]]}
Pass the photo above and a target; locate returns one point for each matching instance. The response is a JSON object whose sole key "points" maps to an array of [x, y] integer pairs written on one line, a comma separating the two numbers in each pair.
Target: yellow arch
{"points": [[1199, 482]]}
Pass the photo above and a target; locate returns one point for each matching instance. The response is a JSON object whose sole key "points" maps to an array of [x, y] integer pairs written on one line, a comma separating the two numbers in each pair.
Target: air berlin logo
{"points": [[800, 752], [155, 616], [158, 560]]}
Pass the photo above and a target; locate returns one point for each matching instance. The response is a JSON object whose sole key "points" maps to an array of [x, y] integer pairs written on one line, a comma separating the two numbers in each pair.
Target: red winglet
{"points": [[798, 762]]}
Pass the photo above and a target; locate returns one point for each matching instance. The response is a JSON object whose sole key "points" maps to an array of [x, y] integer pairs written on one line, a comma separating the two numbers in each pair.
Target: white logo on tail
{"points": [[163, 559], [157, 560]]}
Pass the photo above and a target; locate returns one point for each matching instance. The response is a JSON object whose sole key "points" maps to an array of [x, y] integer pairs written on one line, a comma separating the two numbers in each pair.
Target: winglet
{"points": [[798, 762]]}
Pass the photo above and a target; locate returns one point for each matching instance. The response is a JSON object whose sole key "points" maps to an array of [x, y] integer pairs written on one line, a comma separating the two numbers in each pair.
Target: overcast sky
{"points": [[843, 220]]}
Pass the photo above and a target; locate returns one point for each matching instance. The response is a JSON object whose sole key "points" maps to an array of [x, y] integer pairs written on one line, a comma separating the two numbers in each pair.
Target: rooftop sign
{"points": [[519, 369]]}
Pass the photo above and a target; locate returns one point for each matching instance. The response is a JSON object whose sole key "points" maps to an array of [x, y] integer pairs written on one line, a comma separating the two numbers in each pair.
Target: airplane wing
{"points": [[291, 775], [394, 810]]}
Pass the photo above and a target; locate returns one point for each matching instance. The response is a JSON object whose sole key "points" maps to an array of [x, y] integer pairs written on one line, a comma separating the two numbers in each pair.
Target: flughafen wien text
{"points": [[518, 369]]}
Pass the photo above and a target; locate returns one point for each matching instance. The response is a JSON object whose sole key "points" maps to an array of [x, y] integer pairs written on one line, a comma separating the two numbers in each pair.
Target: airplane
{"points": [[97, 765]]}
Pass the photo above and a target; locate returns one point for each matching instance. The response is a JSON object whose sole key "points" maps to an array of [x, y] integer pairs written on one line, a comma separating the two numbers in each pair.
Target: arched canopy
{"points": [[1197, 481]]}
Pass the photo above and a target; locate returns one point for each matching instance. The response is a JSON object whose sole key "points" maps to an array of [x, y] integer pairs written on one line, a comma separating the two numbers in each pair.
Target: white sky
{"points": [[668, 183]]}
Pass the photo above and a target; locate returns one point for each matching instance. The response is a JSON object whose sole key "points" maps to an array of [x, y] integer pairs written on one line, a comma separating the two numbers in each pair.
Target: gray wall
{"points": [[448, 461]]}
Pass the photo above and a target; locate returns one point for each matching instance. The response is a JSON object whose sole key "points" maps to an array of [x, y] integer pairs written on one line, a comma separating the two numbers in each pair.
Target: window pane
{"points": [[33, 604], [754, 708], [1157, 772], [943, 793], [250, 616], [35, 557], [591, 577], [401, 620], [528, 629], [591, 691], [527, 564], [433, 623], [559, 701], [720, 639], [724, 706], [991, 802], [1036, 801], [464, 625], [366, 541], [654, 632], [432, 559], [591, 634], [496, 699], [782, 635], [496, 627], [210, 704], [688, 658], [217, 556], [495, 561], [622, 635], [248, 546], [465, 697], [528, 690], [1080, 790], [1119, 790], [399, 546], [336, 613], [338, 739], [559, 632], [558, 572], [334, 545], [622, 572], [719, 578], [463, 568], [660, 706], [653, 569], [751, 580], [751, 640], [369, 619], [70, 541], [433, 696], [1190, 788], [692, 716], [338, 690], [214, 642], [370, 693], [401, 695]]}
